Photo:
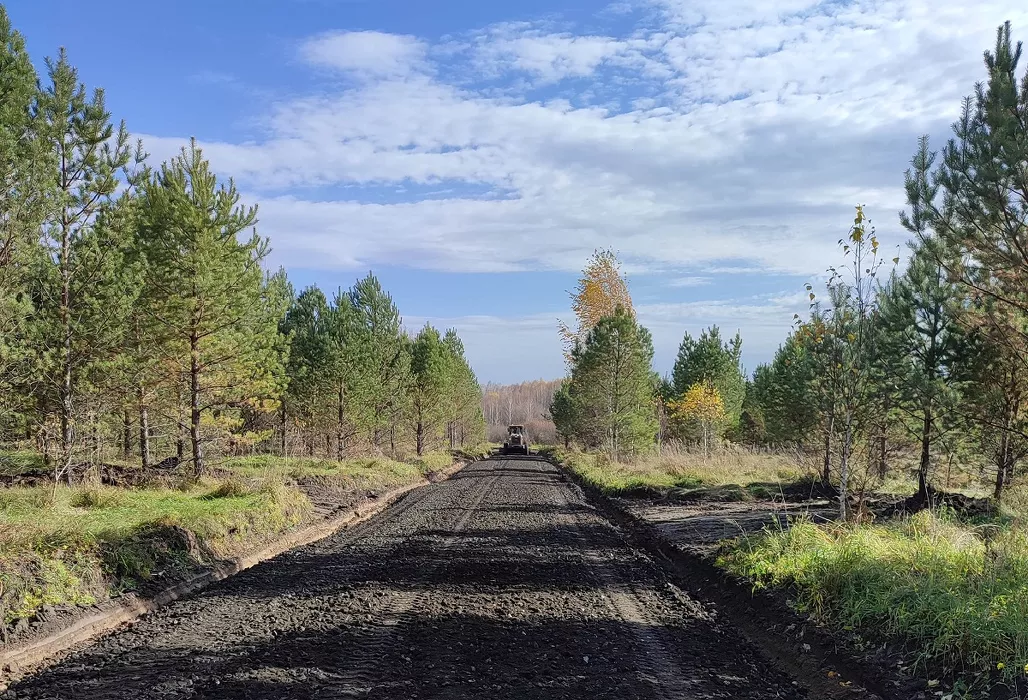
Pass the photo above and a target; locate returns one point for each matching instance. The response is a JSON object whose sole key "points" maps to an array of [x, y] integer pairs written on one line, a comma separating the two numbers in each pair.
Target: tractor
{"points": [[517, 441]]}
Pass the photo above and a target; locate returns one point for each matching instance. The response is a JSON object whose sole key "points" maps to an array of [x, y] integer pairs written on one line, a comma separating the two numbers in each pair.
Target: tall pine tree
{"points": [[216, 326]]}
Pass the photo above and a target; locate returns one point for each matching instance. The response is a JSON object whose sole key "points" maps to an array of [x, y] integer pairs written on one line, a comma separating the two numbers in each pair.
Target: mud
{"points": [[503, 582]]}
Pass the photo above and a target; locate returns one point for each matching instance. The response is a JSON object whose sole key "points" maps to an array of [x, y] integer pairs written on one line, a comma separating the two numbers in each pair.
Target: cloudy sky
{"points": [[473, 154]]}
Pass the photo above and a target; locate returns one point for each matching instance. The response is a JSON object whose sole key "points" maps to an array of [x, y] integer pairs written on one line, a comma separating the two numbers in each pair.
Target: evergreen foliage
{"points": [[708, 359], [137, 319], [612, 388]]}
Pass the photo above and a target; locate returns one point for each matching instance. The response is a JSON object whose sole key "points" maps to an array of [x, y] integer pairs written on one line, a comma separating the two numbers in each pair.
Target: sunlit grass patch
{"points": [[74, 545], [735, 474], [958, 595]]}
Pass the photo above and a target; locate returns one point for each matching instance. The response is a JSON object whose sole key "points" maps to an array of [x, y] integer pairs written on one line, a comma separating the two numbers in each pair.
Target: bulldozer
{"points": [[516, 442]]}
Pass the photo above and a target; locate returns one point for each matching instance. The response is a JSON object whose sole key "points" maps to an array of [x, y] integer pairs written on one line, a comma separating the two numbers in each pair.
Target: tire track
{"points": [[655, 664], [377, 644]]}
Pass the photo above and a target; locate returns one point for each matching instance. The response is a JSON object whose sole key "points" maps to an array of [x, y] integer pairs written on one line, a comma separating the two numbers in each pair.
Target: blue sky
{"points": [[473, 154]]}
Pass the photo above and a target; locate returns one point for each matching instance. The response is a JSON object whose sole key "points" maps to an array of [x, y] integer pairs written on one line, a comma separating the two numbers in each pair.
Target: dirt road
{"points": [[499, 583]]}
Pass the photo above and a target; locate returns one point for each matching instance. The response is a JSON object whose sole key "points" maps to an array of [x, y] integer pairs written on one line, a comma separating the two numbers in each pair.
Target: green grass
{"points": [[729, 475], [81, 544], [77, 545], [14, 462], [358, 474], [956, 594]]}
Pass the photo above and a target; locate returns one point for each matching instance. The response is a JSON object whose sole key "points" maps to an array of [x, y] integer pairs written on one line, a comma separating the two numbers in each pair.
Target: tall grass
{"points": [[751, 473], [957, 595], [357, 474], [76, 545]]}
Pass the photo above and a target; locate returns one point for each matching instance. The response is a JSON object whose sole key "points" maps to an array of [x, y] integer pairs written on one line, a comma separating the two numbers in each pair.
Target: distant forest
{"points": [[527, 403]]}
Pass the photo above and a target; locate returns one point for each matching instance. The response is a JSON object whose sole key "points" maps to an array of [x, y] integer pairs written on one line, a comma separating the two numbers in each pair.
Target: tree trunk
{"points": [[844, 471], [65, 388], [126, 435], [925, 464], [194, 405], [340, 416], [421, 438], [144, 433], [283, 424], [883, 444], [1001, 466], [826, 474]]}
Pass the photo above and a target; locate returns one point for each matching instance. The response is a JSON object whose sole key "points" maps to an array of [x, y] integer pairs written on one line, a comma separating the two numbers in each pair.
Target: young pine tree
{"points": [[708, 359], [216, 326], [385, 356], [88, 154], [975, 203], [430, 367], [25, 169], [921, 344]]}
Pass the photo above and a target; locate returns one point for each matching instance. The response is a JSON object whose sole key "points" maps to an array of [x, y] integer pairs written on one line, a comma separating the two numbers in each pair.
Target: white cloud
{"points": [[762, 125], [548, 57], [709, 137], [693, 281], [366, 54]]}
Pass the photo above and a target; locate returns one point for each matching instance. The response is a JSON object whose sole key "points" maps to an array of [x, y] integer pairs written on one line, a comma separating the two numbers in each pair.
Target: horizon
{"points": [[473, 156]]}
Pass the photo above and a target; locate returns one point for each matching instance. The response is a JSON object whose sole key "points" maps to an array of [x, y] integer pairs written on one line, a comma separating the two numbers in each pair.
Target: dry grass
{"points": [[736, 473]]}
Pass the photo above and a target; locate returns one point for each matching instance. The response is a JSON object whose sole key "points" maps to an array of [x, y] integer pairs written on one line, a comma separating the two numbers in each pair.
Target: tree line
{"points": [[527, 403], [924, 367], [612, 399], [136, 314]]}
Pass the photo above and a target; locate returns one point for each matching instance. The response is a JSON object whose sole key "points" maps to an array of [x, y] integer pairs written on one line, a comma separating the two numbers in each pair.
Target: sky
{"points": [[474, 154]]}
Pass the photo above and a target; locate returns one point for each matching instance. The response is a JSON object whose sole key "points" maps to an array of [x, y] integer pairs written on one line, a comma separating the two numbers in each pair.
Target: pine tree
{"points": [[351, 369], [311, 365], [429, 366], [465, 402], [211, 300], [24, 169], [784, 392], [921, 343], [564, 413], [386, 356], [89, 153], [708, 359], [975, 204], [614, 386]]}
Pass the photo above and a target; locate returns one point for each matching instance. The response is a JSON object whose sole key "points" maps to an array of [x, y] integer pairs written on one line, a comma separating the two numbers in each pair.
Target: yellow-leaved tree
{"points": [[701, 405], [600, 291]]}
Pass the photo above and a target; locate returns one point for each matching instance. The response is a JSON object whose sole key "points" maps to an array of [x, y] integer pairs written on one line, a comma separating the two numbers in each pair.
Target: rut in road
{"points": [[499, 583]]}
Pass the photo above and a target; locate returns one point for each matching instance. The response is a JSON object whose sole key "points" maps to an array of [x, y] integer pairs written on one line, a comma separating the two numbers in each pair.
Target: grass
{"points": [[77, 545], [15, 462], [958, 595], [366, 473], [81, 544], [730, 475]]}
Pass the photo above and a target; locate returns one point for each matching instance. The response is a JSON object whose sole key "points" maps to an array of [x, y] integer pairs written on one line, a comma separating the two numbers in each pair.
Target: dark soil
{"points": [[502, 582]]}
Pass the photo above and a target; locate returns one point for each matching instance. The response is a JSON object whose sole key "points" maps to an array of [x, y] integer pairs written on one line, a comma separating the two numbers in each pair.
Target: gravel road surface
{"points": [[502, 582]]}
